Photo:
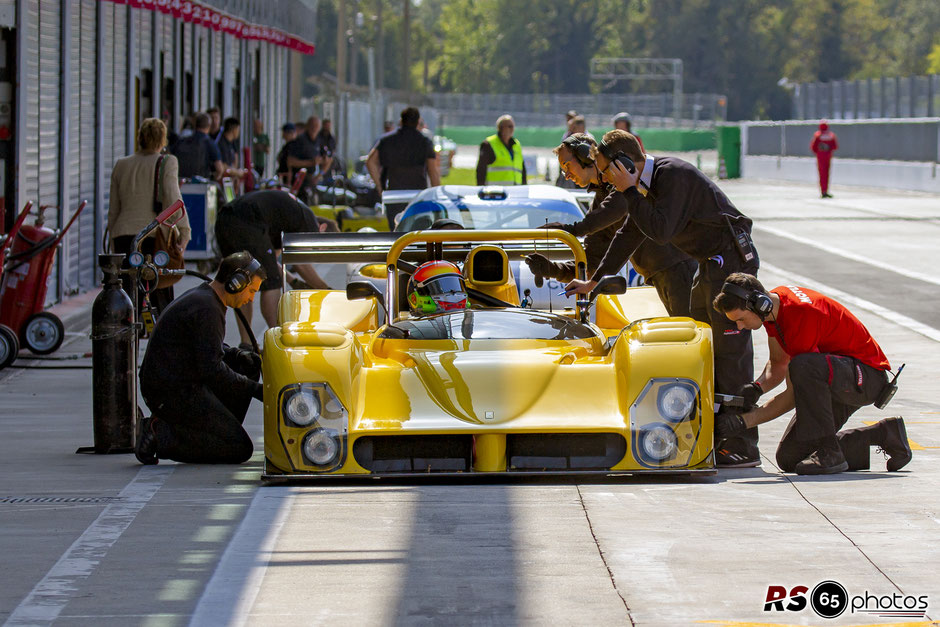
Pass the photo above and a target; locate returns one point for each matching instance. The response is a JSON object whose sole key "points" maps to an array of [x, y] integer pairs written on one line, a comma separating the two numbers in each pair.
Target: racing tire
{"points": [[43, 333], [9, 346]]}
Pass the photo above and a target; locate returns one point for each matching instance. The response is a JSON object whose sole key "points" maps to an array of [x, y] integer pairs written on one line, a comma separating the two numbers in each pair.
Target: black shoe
{"points": [[727, 457], [146, 448], [825, 461], [827, 195], [895, 444]]}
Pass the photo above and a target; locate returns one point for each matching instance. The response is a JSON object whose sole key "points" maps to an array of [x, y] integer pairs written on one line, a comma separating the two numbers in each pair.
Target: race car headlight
{"points": [[675, 401], [322, 447], [313, 426], [665, 422], [658, 442], [302, 407]]}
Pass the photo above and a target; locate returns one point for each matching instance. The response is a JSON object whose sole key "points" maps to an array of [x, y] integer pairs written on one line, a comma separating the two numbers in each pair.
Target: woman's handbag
{"points": [[163, 242]]}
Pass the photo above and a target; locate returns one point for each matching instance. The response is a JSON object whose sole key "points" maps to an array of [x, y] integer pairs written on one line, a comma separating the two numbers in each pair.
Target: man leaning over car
{"points": [[672, 202], [663, 266]]}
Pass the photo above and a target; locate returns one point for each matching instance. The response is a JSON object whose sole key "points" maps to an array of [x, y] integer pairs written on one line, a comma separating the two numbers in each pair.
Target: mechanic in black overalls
{"points": [[197, 388], [671, 201], [665, 267]]}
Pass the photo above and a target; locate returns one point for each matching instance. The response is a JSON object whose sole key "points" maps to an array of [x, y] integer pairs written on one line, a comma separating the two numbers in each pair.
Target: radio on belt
{"points": [[889, 390]]}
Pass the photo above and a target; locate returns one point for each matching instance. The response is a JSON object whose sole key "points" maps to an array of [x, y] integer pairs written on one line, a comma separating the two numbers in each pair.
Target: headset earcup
{"points": [[236, 282], [583, 152], [762, 305]]}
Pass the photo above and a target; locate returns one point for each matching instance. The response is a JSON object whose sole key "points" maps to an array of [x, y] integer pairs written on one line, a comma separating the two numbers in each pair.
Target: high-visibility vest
{"points": [[507, 169]]}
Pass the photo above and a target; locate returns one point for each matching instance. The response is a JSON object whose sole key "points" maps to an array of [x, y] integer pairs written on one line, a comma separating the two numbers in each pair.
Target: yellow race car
{"points": [[608, 384]]}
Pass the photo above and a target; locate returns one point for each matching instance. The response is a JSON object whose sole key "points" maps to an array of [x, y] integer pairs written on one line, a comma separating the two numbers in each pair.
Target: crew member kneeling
{"points": [[197, 388], [832, 366]]}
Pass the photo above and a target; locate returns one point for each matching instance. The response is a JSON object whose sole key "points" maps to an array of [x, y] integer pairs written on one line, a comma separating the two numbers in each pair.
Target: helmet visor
{"points": [[444, 285]]}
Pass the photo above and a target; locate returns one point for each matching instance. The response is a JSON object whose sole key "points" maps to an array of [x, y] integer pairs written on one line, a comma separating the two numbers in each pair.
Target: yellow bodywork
{"points": [[503, 395]]}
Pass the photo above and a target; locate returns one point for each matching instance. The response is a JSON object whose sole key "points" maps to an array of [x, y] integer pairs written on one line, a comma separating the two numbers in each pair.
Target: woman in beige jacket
{"points": [[132, 198]]}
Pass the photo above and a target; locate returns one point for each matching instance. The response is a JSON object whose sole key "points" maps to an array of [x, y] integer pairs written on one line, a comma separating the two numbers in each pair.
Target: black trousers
{"points": [[828, 389], [195, 426], [674, 286], [159, 299], [734, 350]]}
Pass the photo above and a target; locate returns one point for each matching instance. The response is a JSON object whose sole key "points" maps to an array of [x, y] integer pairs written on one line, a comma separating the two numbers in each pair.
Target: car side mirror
{"points": [[611, 284], [360, 290]]}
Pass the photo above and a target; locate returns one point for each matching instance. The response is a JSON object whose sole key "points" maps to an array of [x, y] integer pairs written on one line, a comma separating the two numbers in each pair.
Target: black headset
{"points": [[241, 277], [621, 156], [755, 301], [580, 149]]}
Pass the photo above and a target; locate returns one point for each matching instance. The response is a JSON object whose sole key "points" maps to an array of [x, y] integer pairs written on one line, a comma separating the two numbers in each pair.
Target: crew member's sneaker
{"points": [[895, 444], [825, 461], [145, 449], [727, 457]]}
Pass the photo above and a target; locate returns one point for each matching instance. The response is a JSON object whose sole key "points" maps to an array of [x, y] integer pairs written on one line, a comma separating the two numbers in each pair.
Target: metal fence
{"points": [[647, 110], [894, 97], [907, 140]]}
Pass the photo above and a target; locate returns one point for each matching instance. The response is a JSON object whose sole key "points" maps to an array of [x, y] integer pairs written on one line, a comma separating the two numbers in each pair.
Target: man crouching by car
{"points": [[832, 367], [198, 388]]}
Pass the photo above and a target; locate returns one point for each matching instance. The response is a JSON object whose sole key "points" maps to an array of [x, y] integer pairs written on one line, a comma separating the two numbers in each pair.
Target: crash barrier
{"points": [[885, 97], [668, 139], [897, 154]]}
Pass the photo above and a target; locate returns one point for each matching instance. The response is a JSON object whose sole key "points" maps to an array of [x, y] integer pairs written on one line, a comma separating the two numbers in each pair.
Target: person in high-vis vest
{"points": [[500, 161]]}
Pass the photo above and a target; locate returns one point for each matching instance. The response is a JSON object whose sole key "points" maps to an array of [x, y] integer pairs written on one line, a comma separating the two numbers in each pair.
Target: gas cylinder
{"points": [[114, 363]]}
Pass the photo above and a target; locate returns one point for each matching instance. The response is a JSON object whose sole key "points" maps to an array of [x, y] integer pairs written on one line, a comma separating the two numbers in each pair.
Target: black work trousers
{"points": [[195, 426], [734, 350], [674, 286], [828, 389]]}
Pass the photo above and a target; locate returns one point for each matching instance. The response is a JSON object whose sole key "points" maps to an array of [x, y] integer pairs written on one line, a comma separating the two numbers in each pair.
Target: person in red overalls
{"points": [[824, 144], [832, 367]]}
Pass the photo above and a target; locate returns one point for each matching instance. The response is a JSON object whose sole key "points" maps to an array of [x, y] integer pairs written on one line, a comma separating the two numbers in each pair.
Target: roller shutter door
{"points": [[41, 141], [82, 247], [114, 79]]}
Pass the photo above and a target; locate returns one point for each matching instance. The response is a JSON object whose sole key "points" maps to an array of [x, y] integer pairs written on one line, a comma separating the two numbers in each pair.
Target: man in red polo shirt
{"points": [[832, 366]]}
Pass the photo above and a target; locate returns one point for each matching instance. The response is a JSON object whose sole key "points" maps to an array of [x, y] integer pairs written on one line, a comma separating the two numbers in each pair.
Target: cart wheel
{"points": [[9, 346], [43, 333]]}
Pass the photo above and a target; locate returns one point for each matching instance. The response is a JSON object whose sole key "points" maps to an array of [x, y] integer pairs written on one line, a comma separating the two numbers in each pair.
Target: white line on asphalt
{"points": [[912, 274], [848, 299], [50, 596], [230, 594]]}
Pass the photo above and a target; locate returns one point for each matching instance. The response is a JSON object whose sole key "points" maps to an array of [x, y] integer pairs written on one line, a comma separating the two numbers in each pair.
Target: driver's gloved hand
{"points": [[728, 426]]}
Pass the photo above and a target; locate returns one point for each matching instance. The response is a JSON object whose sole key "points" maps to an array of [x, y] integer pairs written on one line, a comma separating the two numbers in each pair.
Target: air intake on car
{"points": [[564, 451], [414, 453], [487, 266]]}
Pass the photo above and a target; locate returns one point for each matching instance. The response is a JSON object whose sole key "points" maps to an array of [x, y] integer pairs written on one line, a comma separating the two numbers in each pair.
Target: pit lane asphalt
{"points": [[100, 540]]}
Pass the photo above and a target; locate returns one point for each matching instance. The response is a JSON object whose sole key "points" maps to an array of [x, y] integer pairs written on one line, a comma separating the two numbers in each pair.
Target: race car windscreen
{"points": [[489, 324], [513, 213]]}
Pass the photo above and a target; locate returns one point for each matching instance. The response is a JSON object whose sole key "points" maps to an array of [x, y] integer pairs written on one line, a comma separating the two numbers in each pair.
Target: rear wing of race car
{"points": [[374, 247]]}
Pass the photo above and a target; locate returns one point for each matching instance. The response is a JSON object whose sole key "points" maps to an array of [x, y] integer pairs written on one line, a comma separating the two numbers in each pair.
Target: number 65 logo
{"points": [[829, 599]]}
